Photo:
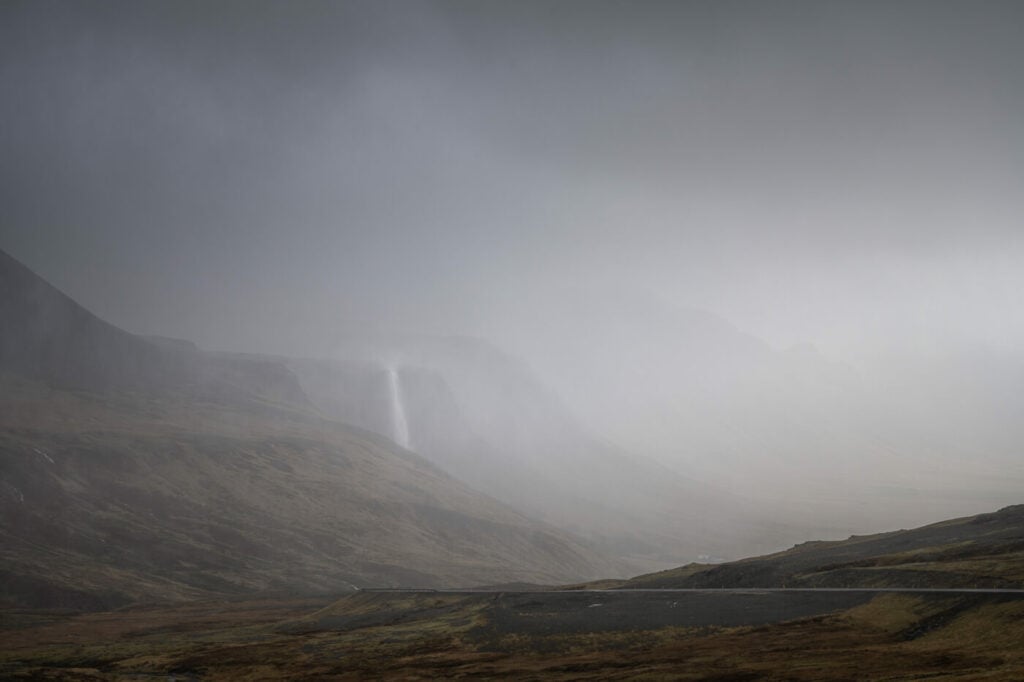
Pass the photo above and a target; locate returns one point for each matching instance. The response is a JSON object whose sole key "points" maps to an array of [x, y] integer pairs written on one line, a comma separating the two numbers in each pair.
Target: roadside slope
{"points": [[986, 550]]}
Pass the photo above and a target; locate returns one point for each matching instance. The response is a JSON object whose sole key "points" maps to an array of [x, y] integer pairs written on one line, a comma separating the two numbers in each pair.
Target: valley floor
{"points": [[563, 636]]}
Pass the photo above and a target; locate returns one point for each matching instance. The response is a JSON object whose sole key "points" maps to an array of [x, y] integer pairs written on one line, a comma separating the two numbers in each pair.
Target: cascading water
{"points": [[399, 423]]}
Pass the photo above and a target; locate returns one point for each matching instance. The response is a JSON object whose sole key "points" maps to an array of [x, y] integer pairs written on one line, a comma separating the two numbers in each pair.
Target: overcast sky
{"points": [[264, 176]]}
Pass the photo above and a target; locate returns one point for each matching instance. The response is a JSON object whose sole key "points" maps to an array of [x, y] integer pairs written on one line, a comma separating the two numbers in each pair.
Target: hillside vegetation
{"points": [[986, 550], [549, 636], [141, 469]]}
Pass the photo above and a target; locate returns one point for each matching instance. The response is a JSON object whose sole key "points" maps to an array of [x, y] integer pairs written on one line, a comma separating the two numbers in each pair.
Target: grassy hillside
{"points": [[978, 551], [137, 468], [107, 499]]}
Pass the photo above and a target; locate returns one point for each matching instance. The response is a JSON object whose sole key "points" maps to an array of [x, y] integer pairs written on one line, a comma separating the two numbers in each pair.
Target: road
{"points": [[542, 612], [723, 590]]}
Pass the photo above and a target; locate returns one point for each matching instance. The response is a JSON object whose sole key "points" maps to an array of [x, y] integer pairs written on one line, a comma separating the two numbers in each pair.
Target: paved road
{"points": [[543, 612], [725, 590]]}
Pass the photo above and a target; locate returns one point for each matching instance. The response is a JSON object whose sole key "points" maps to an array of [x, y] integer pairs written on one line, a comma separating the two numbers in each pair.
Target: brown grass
{"points": [[424, 636]]}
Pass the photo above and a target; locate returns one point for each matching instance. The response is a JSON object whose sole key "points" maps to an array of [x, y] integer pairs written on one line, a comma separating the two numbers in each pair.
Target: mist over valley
{"points": [[530, 340]]}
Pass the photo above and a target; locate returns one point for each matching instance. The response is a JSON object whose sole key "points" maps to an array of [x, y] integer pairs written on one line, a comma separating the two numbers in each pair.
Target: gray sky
{"points": [[263, 176]]}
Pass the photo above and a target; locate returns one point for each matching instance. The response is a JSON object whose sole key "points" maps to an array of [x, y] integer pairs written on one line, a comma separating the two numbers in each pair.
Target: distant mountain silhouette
{"points": [[49, 337]]}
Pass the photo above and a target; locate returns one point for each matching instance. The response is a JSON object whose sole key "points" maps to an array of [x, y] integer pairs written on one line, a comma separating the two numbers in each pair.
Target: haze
{"points": [[775, 246]]}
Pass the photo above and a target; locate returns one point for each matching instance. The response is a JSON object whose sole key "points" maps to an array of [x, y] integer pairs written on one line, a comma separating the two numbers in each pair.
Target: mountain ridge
{"points": [[210, 473]]}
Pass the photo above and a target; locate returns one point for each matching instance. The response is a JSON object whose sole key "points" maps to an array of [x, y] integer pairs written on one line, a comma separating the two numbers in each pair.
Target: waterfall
{"points": [[399, 424]]}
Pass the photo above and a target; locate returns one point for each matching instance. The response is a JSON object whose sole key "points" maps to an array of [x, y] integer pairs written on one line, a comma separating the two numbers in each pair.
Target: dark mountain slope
{"points": [[135, 468], [977, 551], [108, 499], [50, 338]]}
